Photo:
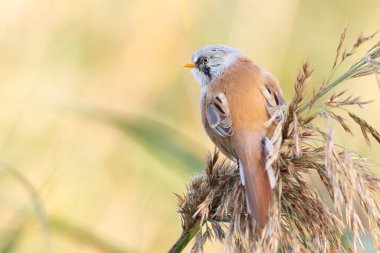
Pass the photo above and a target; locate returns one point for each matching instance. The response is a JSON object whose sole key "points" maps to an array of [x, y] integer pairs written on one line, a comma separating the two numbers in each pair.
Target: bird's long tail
{"points": [[257, 179]]}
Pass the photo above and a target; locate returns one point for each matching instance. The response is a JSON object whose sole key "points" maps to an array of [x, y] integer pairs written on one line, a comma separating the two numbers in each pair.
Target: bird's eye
{"points": [[205, 60]]}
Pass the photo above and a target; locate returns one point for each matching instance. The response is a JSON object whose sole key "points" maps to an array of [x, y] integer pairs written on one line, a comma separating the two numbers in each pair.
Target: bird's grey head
{"points": [[209, 62]]}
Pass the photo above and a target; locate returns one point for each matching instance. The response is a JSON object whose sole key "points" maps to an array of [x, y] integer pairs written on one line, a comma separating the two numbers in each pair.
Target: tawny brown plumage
{"points": [[243, 84], [236, 107]]}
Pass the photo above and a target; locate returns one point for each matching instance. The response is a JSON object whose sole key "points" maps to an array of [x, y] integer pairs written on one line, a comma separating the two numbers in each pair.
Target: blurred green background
{"points": [[100, 118]]}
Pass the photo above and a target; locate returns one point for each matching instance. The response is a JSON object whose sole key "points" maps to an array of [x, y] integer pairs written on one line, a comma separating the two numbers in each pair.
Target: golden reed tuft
{"points": [[302, 219]]}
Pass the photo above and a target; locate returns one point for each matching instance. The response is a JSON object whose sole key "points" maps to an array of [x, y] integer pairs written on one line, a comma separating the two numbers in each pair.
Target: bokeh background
{"points": [[99, 119]]}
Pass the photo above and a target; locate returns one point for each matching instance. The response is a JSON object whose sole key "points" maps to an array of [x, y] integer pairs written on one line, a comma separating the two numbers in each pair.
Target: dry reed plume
{"points": [[303, 219]]}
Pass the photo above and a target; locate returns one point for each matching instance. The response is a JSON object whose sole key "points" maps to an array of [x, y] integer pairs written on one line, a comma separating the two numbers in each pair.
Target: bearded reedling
{"points": [[241, 106]]}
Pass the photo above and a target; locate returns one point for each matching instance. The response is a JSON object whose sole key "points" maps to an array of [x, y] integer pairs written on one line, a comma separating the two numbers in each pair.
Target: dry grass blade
{"points": [[299, 93], [339, 119], [362, 38], [367, 65], [336, 101], [359, 41], [341, 42], [302, 220], [365, 127]]}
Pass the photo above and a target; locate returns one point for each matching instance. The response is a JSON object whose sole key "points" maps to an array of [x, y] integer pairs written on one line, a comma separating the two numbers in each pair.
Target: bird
{"points": [[242, 107]]}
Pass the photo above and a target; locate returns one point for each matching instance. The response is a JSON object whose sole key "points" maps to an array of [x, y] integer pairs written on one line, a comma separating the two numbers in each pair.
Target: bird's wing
{"points": [[275, 105], [274, 100], [218, 115]]}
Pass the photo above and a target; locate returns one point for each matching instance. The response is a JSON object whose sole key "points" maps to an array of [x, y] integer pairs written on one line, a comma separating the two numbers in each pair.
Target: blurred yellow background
{"points": [[100, 118]]}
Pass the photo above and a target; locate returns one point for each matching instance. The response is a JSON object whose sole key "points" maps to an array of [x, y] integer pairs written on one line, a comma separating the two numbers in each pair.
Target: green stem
{"points": [[34, 196], [185, 238], [334, 83]]}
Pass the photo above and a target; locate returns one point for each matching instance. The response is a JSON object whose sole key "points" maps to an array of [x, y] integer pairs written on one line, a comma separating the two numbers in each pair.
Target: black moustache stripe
{"points": [[207, 71]]}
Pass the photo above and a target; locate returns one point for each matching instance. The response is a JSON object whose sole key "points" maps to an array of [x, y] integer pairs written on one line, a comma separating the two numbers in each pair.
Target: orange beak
{"points": [[189, 65]]}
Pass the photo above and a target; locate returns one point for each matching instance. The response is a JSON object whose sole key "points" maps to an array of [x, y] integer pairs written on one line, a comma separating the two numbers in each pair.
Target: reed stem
{"points": [[185, 238]]}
